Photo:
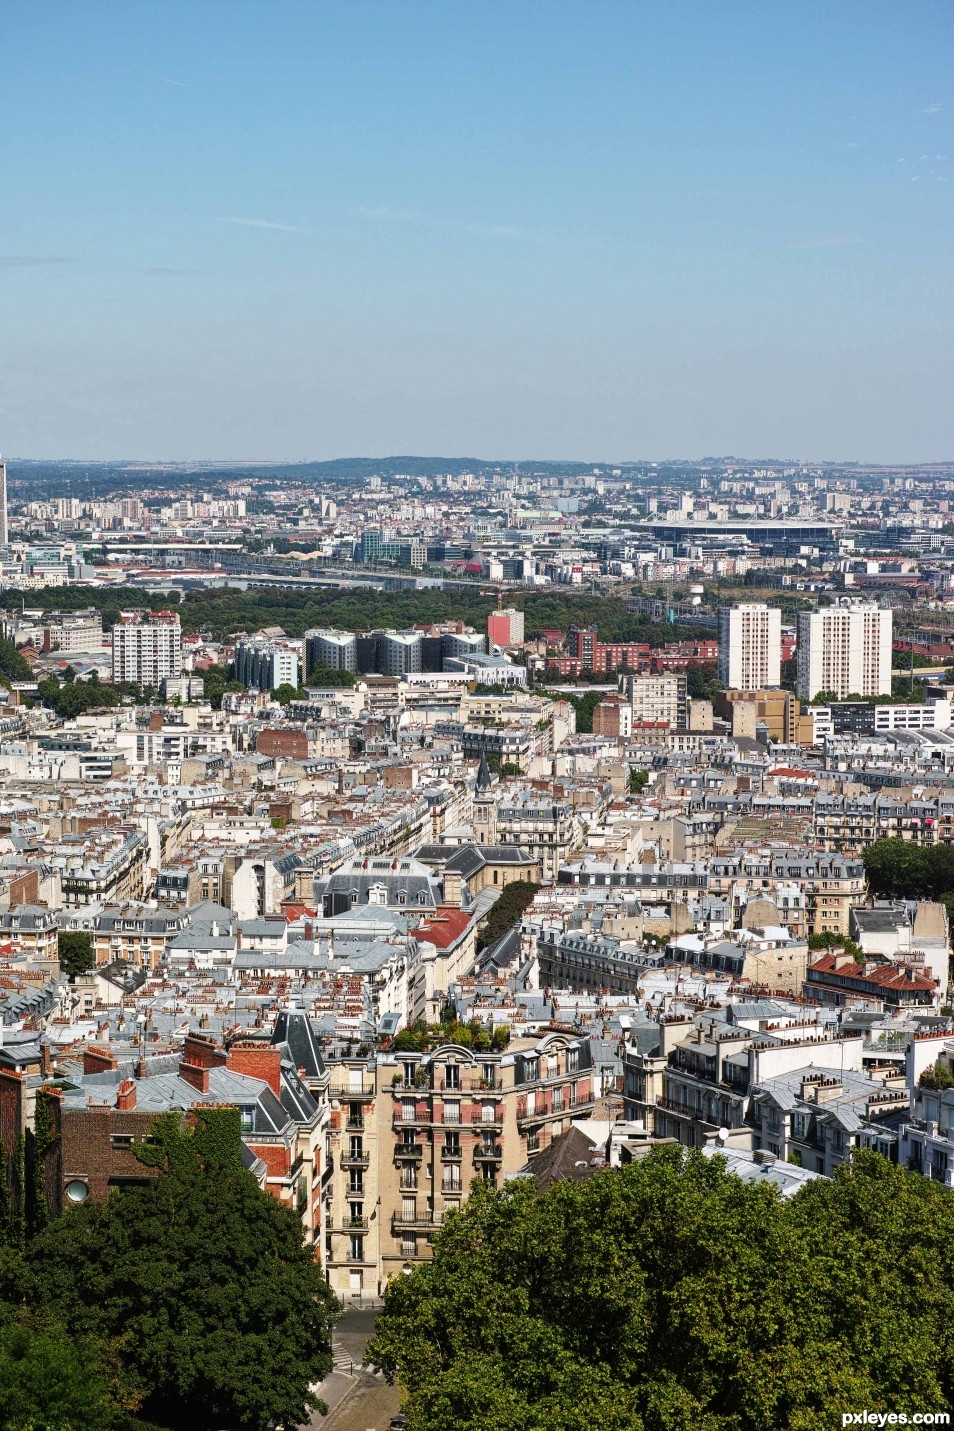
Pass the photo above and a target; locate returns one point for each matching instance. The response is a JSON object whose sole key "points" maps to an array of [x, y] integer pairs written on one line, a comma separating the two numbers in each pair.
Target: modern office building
{"points": [[844, 649], [463, 643], [147, 647], [398, 652], [331, 651], [265, 665], [750, 646]]}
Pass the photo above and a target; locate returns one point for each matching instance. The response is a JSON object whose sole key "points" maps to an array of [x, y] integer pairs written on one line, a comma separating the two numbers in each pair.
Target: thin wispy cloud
{"points": [[933, 109], [434, 223], [832, 241], [165, 79], [158, 270], [31, 260], [267, 224]]}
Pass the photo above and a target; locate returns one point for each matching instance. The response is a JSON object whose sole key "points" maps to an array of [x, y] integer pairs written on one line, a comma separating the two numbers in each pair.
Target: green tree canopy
{"points": [[75, 952], [51, 1381], [898, 869], [223, 1314], [669, 1294]]}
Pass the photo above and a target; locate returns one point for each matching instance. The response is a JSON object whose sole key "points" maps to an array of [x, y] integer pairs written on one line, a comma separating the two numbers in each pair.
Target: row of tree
{"points": [[669, 1294], [224, 612]]}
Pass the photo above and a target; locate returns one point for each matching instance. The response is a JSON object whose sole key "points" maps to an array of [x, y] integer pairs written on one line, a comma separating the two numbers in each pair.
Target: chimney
{"points": [[97, 1060], [197, 1077], [202, 1051], [126, 1096], [258, 1060], [761, 1156]]}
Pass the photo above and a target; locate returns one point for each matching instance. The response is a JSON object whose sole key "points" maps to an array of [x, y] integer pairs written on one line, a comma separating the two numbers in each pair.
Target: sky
{"points": [[603, 230]]}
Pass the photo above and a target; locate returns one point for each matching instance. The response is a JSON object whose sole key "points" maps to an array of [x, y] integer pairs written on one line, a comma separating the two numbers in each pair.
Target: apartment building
{"points": [[844, 649], [265, 665], [547, 830], [330, 650], [830, 884], [410, 1132], [656, 699], [32, 929], [505, 627], [147, 647], [696, 1075], [136, 933], [112, 1093], [817, 1117], [750, 646]]}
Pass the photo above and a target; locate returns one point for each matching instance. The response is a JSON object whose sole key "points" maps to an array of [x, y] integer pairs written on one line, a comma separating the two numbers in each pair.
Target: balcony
{"points": [[484, 1120], [355, 1160], [540, 1110], [419, 1221], [342, 1089], [488, 1155], [453, 1189], [412, 1151], [420, 1118], [354, 1125], [451, 1155], [353, 1224]]}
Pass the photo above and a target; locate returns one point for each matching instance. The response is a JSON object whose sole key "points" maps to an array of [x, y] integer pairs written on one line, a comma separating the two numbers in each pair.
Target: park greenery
{"points": [[899, 869], [222, 613], [670, 1294], [185, 1303]]}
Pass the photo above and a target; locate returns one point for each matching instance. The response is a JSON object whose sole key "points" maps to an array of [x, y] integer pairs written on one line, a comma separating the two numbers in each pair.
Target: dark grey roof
{"points": [[572, 1157], [293, 1028]]}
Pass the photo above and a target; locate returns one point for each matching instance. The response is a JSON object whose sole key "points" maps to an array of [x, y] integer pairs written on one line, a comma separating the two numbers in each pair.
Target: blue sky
{"points": [[605, 229]]}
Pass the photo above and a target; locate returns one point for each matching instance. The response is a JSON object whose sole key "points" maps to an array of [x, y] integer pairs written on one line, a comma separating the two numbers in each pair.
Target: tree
{"points": [[507, 910], [75, 952], [224, 1315], [670, 1294], [50, 1381], [286, 693], [638, 780]]}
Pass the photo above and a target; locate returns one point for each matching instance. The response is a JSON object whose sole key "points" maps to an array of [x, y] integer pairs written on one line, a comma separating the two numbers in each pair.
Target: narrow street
{"points": [[357, 1399]]}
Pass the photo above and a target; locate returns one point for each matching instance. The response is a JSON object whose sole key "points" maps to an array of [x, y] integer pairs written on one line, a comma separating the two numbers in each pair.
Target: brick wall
{"points": [[258, 1061], [293, 744]]}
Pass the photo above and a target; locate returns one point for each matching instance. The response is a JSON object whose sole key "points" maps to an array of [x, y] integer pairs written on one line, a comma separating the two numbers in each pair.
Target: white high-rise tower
{"points": [[844, 649], [3, 503], [750, 647]]}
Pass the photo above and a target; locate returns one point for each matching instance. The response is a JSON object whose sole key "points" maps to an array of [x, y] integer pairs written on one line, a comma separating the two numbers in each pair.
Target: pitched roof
{"points": [[572, 1157]]}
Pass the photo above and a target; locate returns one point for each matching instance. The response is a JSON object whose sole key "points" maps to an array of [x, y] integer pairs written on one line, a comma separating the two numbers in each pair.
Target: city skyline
{"points": [[311, 230]]}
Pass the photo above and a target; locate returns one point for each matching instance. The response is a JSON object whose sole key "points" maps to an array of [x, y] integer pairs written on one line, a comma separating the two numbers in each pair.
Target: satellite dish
{"points": [[722, 1136]]}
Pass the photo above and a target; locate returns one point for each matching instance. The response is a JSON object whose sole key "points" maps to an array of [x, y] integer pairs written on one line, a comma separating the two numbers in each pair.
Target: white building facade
{"points": [[750, 647]]}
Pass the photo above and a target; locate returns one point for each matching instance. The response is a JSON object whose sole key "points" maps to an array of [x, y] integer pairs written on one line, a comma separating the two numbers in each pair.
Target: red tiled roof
{"points": [[885, 976], [443, 928]]}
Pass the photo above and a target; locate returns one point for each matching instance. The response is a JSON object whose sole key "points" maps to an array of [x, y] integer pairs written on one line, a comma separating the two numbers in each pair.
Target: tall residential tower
{"points": [[750, 647], [844, 649]]}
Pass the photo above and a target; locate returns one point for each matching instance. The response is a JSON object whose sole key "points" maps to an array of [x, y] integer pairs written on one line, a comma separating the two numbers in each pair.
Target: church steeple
{"points": [[483, 775]]}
